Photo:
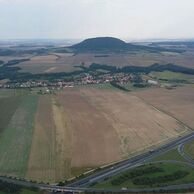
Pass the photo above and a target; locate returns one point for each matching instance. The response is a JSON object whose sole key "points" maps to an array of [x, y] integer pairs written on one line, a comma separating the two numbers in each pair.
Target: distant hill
{"points": [[110, 44], [101, 43]]}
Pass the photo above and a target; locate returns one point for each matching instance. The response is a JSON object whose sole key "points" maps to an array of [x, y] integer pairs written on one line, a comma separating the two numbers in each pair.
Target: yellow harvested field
{"points": [[67, 62], [178, 102], [63, 143], [94, 140], [48, 64], [79, 129], [138, 125]]}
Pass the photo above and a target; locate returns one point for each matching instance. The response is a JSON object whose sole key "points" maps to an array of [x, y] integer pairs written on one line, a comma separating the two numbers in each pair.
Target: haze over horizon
{"points": [[80, 19]]}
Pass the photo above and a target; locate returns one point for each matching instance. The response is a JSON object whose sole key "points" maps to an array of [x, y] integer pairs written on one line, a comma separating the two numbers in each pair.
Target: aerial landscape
{"points": [[95, 111]]}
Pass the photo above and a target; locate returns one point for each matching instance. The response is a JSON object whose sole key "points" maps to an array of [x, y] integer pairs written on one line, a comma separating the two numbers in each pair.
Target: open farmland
{"points": [[15, 141], [66, 62], [55, 137], [172, 76], [41, 165], [177, 102], [8, 107], [49, 64], [95, 141], [138, 125]]}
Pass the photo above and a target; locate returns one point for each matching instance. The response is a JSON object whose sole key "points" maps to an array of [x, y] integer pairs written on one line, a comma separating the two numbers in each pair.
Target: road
{"points": [[185, 155], [82, 184], [131, 162]]}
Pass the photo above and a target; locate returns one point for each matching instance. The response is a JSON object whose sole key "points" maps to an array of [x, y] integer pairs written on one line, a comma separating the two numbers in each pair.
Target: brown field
{"points": [[48, 64], [79, 129], [9, 58], [50, 156], [66, 62], [138, 125], [177, 102], [94, 140], [63, 142]]}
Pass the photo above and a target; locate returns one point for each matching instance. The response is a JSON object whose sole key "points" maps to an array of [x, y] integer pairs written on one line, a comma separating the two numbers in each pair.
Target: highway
{"points": [[131, 162], [82, 184], [185, 155]]}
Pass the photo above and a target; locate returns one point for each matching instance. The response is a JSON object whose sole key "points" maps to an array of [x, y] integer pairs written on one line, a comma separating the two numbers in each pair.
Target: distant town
{"points": [[85, 79]]}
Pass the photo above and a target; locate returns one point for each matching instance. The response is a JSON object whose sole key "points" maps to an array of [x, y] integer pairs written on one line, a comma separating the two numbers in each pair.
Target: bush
{"points": [[160, 179], [135, 173]]}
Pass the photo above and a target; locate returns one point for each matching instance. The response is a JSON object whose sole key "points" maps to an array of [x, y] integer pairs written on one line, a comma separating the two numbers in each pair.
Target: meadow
{"points": [[172, 76], [15, 140]]}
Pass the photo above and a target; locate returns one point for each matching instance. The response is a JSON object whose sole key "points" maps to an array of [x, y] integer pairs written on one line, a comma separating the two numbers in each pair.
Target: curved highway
{"points": [[185, 155], [82, 184], [131, 162]]}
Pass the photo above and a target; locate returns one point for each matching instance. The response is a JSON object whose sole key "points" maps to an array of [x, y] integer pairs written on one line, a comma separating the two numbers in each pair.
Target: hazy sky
{"points": [[127, 19]]}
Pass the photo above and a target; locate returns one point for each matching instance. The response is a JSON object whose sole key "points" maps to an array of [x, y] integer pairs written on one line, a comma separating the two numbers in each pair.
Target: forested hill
{"points": [[110, 44], [101, 43]]}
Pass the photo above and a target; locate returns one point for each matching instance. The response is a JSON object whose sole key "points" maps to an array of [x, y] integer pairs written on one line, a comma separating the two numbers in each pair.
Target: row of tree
{"points": [[135, 173], [160, 179]]}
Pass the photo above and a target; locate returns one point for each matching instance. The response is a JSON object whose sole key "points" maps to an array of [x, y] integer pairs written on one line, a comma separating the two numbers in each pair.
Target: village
{"points": [[84, 79]]}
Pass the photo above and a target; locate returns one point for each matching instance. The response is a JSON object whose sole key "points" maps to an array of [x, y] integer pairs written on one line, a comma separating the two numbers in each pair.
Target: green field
{"points": [[15, 140], [8, 107], [170, 155], [108, 86], [150, 175], [172, 76], [130, 86], [189, 149], [98, 86], [4, 93], [23, 191]]}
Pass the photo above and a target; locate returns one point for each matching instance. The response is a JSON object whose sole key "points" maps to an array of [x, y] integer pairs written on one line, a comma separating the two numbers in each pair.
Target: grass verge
{"points": [[150, 175]]}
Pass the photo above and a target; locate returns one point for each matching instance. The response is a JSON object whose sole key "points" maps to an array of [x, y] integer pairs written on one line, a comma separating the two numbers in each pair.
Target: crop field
{"points": [[8, 107], [167, 75], [177, 102], [41, 165], [137, 124], [55, 137], [66, 62], [15, 140], [49, 64]]}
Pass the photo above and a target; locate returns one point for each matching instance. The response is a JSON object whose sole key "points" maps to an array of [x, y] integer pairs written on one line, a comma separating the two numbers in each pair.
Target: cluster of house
{"points": [[121, 78], [106, 78]]}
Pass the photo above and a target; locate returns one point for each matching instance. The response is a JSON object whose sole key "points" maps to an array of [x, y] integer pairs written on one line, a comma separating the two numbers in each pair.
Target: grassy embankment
{"points": [[189, 149], [170, 155], [151, 175], [173, 77]]}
